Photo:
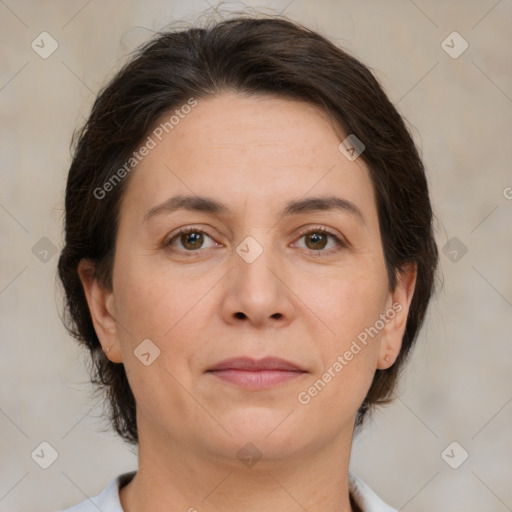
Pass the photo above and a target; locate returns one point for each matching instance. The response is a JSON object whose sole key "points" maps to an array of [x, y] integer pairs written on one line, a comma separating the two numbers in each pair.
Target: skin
{"points": [[299, 301]]}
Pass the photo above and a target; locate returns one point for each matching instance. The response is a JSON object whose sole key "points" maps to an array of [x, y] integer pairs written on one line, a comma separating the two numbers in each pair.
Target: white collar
{"points": [[364, 497]]}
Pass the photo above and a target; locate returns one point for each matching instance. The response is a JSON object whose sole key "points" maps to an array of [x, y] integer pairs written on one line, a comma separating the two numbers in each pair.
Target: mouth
{"points": [[255, 374]]}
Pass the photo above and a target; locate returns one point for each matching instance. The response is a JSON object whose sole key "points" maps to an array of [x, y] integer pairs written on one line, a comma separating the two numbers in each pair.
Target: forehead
{"points": [[249, 148], [234, 123]]}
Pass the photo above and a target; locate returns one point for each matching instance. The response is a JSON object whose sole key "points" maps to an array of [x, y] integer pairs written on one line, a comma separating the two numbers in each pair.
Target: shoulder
{"points": [[108, 499], [365, 498]]}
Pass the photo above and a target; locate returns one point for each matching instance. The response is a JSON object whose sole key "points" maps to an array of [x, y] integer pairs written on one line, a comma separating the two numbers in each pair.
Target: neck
{"points": [[173, 476]]}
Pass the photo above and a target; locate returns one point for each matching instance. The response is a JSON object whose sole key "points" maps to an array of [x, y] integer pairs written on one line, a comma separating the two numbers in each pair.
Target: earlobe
{"points": [[102, 309], [398, 308]]}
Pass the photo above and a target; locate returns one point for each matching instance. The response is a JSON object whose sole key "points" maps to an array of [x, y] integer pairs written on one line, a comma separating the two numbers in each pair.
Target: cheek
{"points": [[152, 303], [348, 360], [347, 301], [147, 301], [351, 308], [150, 307]]}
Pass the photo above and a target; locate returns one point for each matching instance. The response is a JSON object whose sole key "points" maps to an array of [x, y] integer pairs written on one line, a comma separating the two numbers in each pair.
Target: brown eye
{"points": [[316, 241], [320, 241], [191, 241]]}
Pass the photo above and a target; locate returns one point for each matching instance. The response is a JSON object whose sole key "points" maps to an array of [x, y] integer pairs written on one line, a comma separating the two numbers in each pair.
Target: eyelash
{"points": [[310, 230], [321, 229]]}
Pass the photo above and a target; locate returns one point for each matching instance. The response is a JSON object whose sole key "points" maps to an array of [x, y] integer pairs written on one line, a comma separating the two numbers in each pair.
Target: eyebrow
{"points": [[209, 205], [192, 203], [312, 204]]}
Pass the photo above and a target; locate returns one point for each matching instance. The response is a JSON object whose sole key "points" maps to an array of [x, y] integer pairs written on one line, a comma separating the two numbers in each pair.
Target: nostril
{"points": [[277, 316], [240, 315]]}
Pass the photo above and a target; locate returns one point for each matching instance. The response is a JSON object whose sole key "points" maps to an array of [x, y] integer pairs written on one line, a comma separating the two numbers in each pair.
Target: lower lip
{"points": [[260, 379]]}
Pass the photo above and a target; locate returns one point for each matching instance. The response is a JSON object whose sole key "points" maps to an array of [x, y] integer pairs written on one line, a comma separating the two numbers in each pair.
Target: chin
{"points": [[269, 433]]}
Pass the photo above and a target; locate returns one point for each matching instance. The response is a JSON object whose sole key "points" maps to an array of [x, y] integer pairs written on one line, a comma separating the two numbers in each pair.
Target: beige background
{"points": [[458, 386]]}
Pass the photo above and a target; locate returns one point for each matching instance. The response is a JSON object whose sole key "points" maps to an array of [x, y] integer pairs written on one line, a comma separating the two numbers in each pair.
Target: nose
{"points": [[257, 292]]}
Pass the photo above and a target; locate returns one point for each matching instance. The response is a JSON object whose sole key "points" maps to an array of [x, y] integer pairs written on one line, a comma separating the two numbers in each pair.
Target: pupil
{"points": [[192, 240], [317, 240]]}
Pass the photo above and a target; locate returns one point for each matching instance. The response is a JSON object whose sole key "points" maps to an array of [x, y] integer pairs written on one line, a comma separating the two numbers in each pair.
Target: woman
{"points": [[249, 258]]}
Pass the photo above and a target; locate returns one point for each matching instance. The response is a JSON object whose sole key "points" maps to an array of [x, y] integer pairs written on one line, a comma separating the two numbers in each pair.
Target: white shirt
{"points": [[108, 499]]}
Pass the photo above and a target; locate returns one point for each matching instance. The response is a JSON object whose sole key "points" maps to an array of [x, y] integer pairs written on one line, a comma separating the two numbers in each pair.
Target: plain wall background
{"points": [[457, 386]]}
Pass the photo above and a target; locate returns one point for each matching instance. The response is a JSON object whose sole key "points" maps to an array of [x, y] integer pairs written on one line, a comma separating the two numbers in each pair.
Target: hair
{"points": [[255, 56]]}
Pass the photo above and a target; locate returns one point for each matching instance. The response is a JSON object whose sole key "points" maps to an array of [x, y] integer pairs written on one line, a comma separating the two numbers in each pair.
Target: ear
{"points": [[396, 317], [102, 309]]}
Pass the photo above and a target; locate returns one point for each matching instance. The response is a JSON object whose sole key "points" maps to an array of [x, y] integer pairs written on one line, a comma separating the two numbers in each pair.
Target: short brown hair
{"points": [[250, 55]]}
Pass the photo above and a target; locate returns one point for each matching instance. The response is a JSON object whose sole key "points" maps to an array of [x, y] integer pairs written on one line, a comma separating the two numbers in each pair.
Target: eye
{"points": [[191, 239], [319, 239]]}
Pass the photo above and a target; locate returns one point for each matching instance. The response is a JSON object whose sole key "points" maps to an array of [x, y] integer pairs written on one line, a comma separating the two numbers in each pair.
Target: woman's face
{"points": [[281, 258]]}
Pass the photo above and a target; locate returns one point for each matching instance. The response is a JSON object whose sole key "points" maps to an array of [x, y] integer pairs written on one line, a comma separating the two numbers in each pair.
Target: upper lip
{"points": [[249, 364]]}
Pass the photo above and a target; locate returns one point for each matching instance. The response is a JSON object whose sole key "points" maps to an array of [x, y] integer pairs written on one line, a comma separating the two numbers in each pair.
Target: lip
{"points": [[254, 374], [254, 365]]}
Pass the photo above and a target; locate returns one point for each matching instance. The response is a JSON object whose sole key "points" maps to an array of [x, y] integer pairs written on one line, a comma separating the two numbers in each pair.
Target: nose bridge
{"points": [[254, 259], [256, 290]]}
